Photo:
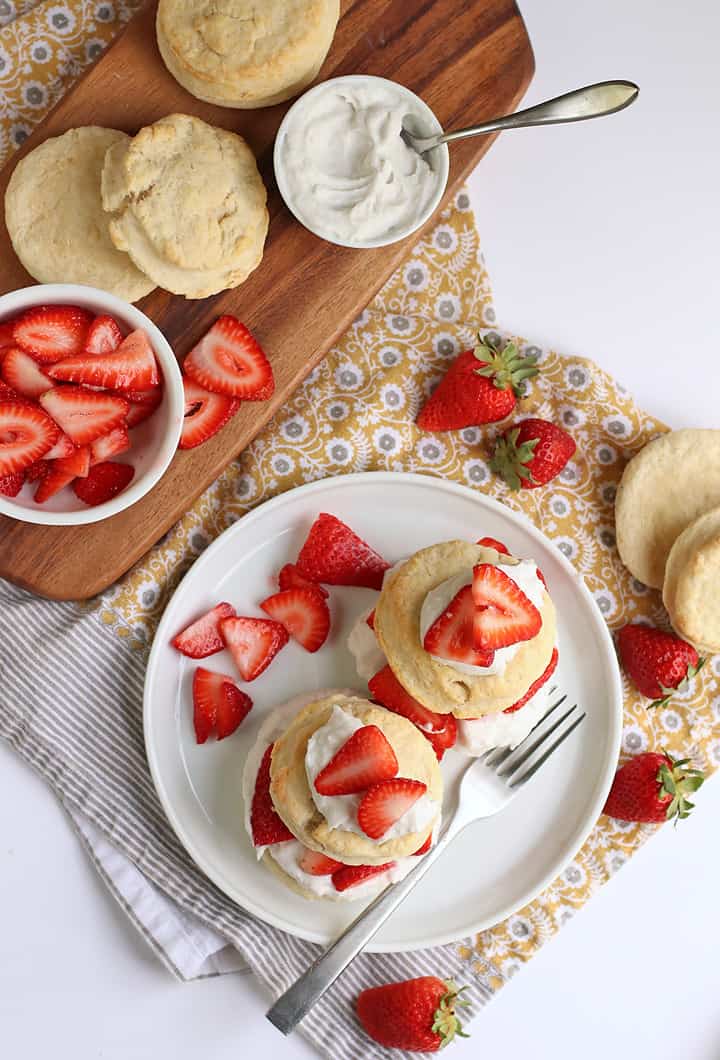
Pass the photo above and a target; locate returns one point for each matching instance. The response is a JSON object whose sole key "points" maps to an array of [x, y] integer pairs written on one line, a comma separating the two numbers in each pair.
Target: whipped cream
{"points": [[365, 648], [478, 735], [348, 173], [340, 811], [524, 574]]}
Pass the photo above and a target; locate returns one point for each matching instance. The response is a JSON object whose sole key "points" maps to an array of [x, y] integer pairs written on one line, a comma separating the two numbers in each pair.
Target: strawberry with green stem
{"points": [[659, 664], [531, 453], [653, 787], [416, 1014]]}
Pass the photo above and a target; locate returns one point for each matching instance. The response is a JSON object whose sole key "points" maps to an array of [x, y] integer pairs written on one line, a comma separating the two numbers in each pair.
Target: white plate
{"points": [[496, 866]]}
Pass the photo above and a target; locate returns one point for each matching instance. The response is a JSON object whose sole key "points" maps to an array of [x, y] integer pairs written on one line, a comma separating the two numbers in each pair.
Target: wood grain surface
{"points": [[468, 59]]}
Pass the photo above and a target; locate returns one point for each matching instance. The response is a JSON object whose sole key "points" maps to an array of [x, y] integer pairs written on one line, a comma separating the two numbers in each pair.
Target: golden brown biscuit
{"points": [[692, 583], [293, 801]]}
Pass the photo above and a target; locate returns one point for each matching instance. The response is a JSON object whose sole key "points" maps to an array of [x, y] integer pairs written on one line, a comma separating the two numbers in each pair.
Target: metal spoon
{"points": [[593, 101]]}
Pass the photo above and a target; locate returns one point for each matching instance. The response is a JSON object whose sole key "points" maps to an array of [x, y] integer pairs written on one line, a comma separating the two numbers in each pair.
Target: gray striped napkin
{"points": [[73, 711]]}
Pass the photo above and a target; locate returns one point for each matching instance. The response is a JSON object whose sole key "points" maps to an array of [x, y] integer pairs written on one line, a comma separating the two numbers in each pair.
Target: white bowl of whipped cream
{"points": [[345, 172]]}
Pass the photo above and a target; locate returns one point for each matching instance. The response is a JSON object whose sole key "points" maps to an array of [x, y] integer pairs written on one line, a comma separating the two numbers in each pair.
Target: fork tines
{"points": [[522, 762]]}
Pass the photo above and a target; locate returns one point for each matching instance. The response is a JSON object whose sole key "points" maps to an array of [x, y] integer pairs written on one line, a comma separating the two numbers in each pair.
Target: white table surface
{"points": [[601, 240]]}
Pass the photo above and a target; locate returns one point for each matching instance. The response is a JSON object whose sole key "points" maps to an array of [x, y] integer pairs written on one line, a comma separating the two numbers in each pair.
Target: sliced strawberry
{"points": [[84, 415], [351, 875], [365, 759], [112, 444], [253, 643], [7, 337], [536, 685], [424, 848], [541, 576], [304, 613], [26, 434], [51, 332], [205, 414], [10, 485], [142, 404], [504, 614], [291, 578], [104, 481], [202, 637], [131, 367], [23, 374], [492, 542], [104, 336], [371, 620], [267, 827], [334, 554], [316, 864], [217, 704], [63, 447], [385, 803], [7, 393], [62, 472], [451, 635], [229, 360], [439, 729], [38, 470]]}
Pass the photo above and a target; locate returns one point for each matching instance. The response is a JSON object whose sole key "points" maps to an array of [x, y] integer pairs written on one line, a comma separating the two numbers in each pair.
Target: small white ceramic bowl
{"points": [[438, 158], [154, 442]]}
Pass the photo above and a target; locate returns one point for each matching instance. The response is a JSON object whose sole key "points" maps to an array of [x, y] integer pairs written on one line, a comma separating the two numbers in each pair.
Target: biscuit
{"points": [[55, 218], [293, 801], [664, 488], [438, 686], [187, 203], [692, 579], [245, 53]]}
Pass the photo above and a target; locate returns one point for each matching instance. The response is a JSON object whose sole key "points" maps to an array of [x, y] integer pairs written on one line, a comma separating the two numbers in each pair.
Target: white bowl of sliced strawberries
{"points": [[91, 404]]}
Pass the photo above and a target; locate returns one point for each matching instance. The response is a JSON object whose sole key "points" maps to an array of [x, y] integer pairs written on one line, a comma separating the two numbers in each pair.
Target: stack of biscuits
{"points": [[667, 516]]}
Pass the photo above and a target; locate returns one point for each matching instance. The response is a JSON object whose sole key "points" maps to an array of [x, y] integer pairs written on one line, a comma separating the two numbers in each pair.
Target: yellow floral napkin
{"points": [[355, 412]]}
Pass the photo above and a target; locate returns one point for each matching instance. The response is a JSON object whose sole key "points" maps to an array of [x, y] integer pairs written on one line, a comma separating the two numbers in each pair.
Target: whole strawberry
{"points": [[531, 453], [658, 663], [653, 787], [417, 1014], [481, 386]]}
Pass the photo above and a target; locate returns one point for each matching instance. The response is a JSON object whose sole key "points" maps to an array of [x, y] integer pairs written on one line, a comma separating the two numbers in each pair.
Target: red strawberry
{"points": [[304, 613], [10, 485], [365, 759], [142, 404], [131, 367], [24, 375], [439, 729], [202, 637], [417, 1015], [316, 864], [291, 578], [51, 332], [104, 336], [253, 643], [38, 470], [62, 472], [217, 704], [7, 393], [63, 447], [228, 360], [451, 636], [334, 554], [541, 576], [504, 614], [492, 542], [371, 620], [658, 663], [6, 334], [205, 414], [424, 848], [481, 386], [84, 415], [267, 827], [351, 875], [112, 444], [385, 803], [536, 685], [26, 434], [653, 787], [531, 453], [104, 481]]}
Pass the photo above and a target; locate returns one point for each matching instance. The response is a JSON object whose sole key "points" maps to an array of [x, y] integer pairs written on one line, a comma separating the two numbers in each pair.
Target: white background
{"points": [[601, 240]]}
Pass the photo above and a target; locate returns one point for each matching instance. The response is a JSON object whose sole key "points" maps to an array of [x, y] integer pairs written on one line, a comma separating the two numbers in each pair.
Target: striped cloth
{"points": [[80, 726]]}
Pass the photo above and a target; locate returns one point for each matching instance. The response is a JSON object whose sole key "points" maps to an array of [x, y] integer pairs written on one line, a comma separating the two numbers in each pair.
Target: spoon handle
{"points": [[593, 101]]}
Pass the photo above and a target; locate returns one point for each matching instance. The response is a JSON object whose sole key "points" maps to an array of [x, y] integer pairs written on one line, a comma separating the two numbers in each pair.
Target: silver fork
{"points": [[488, 785]]}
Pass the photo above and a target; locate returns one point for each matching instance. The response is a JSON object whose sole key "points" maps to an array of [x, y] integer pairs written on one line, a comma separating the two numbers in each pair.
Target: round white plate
{"points": [[496, 866]]}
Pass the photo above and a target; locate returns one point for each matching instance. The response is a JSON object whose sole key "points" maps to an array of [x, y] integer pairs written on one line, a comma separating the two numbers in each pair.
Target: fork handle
{"points": [[297, 1001]]}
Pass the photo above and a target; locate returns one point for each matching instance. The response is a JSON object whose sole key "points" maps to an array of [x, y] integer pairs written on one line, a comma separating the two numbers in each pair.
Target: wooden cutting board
{"points": [[468, 59]]}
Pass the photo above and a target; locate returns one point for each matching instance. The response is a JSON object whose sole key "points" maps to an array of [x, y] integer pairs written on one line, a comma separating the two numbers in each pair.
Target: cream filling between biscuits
{"points": [[478, 735]]}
